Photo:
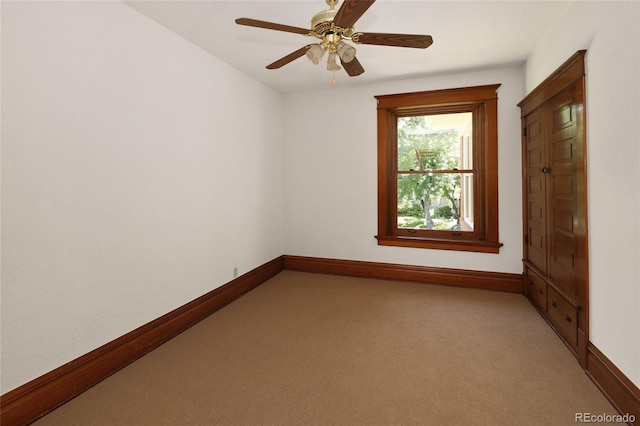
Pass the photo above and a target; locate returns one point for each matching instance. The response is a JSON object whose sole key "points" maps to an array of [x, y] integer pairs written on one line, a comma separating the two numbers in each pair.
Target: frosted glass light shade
{"points": [[331, 63], [346, 51], [315, 53]]}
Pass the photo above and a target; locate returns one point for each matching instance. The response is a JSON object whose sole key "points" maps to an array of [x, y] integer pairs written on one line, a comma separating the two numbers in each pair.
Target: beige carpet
{"points": [[310, 349]]}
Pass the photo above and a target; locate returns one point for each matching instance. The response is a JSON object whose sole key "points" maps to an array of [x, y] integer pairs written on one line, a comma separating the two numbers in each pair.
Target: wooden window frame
{"points": [[483, 102]]}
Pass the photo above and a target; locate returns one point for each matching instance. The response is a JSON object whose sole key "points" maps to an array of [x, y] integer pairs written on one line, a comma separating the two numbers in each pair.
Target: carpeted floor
{"points": [[310, 349]]}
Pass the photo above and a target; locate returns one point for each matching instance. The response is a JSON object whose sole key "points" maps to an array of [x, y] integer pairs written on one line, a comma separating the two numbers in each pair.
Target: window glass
{"points": [[434, 152]]}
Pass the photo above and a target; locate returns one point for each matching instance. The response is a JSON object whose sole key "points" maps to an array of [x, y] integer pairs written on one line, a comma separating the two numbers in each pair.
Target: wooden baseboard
{"points": [[34, 399], [621, 392], [390, 271]]}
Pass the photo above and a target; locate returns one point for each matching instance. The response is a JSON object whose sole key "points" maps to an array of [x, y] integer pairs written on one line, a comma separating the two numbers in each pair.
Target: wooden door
{"points": [[535, 192], [565, 183]]}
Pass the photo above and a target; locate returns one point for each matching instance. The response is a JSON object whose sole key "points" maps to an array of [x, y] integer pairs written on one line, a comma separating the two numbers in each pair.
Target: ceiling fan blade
{"points": [[271, 26], [399, 40], [350, 12], [289, 58], [353, 67]]}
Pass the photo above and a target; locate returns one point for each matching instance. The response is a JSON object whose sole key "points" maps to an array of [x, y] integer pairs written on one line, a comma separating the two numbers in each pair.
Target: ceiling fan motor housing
{"points": [[321, 21]]}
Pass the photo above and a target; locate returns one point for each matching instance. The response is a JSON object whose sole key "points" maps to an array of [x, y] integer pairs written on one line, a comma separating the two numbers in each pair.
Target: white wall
{"points": [[610, 33], [331, 174], [137, 171]]}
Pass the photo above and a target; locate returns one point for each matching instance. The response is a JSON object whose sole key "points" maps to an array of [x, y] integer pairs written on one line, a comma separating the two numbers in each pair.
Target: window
{"points": [[438, 169]]}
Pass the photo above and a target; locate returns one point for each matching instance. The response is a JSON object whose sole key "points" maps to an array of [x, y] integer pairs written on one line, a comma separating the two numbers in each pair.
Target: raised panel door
{"points": [[564, 159], [535, 192]]}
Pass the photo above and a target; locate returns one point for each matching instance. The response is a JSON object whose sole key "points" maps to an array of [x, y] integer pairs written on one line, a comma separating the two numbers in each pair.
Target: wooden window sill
{"points": [[440, 243]]}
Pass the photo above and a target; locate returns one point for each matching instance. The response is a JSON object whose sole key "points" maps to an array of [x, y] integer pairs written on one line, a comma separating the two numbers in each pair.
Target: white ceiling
{"points": [[467, 35]]}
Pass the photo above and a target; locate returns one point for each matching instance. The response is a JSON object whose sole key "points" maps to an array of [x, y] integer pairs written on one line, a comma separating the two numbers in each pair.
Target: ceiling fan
{"points": [[332, 27]]}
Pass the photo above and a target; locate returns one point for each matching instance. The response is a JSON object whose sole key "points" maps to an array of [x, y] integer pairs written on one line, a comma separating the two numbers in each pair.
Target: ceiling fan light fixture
{"points": [[331, 63], [315, 53], [332, 27], [346, 51]]}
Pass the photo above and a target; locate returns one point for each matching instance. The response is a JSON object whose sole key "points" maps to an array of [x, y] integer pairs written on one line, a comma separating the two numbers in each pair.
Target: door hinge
{"points": [[524, 131], [526, 239]]}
